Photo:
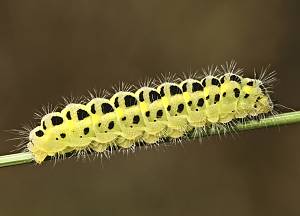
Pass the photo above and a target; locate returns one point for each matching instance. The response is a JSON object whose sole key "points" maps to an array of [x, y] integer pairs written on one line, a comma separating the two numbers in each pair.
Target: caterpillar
{"points": [[152, 113]]}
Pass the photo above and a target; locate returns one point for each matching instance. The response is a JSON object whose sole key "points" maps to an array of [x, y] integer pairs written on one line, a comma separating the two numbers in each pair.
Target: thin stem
{"points": [[281, 119]]}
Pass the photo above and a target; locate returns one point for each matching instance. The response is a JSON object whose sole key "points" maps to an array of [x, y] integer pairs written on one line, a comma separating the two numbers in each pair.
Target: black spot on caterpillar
{"points": [[56, 120], [197, 87], [175, 90], [106, 108], [153, 95], [69, 115], [234, 78], [82, 114], [39, 133], [130, 101], [150, 114]]}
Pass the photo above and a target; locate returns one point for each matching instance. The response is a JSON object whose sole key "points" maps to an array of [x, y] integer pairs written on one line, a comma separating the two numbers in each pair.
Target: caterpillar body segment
{"points": [[105, 123], [195, 102], [130, 119], [175, 108], [154, 114], [149, 114]]}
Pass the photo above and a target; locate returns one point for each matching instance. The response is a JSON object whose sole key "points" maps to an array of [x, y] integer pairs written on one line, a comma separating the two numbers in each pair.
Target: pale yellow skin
{"points": [[104, 136], [155, 126], [131, 132], [177, 121], [196, 114], [148, 115]]}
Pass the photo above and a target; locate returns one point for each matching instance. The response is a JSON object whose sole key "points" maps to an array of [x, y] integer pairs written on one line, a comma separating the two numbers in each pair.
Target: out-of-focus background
{"points": [[50, 49]]}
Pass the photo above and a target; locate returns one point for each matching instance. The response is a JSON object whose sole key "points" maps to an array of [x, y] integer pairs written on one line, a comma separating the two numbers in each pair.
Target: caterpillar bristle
{"points": [[103, 93], [231, 68], [122, 86], [68, 100], [49, 108], [170, 109], [211, 70], [148, 82], [166, 77]]}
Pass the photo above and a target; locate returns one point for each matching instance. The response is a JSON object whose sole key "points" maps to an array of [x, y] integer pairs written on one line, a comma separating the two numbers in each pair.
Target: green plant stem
{"points": [[281, 119]]}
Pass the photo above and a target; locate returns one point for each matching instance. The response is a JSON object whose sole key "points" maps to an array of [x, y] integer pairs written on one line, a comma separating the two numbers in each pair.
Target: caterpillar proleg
{"points": [[152, 113]]}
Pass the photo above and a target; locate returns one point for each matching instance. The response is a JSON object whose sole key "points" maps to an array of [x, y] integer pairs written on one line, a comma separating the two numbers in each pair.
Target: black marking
{"points": [[207, 97], [190, 103], [117, 102], [141, 96], [169, 108], [82, 114], [197, 87], [200, 102], [136, 119], [159, 113], [153, 96], [147, 113], [162, 91], [106, 108], [263, 89], [44, 125], [86, 130], [224, 94], [180, 108], [217, 98], [69, 115], [184, 87], [56, 138], [93, 110], [235, 78], [62, 135], [99, 125], [175, 90], [57, 120], [124, 118], [130, 101], [215, 82], [246, 95], [250, 83], [236, 92], [258, 98], [255, 106], [111, 125], [222, 80], [204, 83], [39, 133]]}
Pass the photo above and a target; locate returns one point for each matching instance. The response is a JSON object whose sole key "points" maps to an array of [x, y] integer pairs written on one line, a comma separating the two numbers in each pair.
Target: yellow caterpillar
{"points": [[150, 114]]}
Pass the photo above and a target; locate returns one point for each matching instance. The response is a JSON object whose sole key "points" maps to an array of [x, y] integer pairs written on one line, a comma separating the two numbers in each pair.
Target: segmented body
{"points": [[149, 114]]}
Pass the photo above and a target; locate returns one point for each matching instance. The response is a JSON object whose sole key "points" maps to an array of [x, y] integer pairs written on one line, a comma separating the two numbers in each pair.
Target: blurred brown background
{"points": [[50, 49]]}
